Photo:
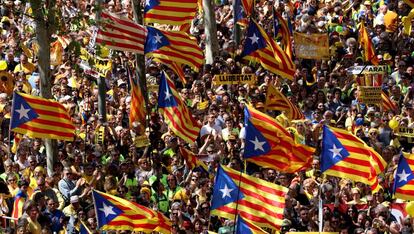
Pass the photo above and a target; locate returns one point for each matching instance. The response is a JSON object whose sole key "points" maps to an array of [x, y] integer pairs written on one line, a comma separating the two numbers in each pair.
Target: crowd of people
{"points": [[110, 155]]}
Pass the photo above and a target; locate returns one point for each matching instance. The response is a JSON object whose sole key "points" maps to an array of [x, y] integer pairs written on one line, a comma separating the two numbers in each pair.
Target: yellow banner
{"points": [[311, 46], [102, 66], [311, 233], [370, 95], [141, 141], [224, 79]]}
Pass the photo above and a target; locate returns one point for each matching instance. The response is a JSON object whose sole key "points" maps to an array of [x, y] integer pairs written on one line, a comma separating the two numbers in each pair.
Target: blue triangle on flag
{"points": [[255, 143], [165, 96], [22, 112], [332, 150], [254, 40], [404, 173], [242, 227], [239, 11], [225, 190], [150, 4], [155, 40], [106, 210]]}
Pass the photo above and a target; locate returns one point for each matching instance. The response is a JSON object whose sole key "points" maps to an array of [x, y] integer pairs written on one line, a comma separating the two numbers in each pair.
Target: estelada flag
{"points": [[41, 118], [346, 156], [257, 201]]}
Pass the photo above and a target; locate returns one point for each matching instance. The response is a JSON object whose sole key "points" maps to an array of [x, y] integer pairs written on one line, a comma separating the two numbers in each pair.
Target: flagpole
{"points": [[320, 209], [237, 203], [11, 121]]}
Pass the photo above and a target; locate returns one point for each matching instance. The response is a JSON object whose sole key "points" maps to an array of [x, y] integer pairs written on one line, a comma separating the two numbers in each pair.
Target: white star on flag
{"points": [[226, 191], [108, 210], [403, 176], [258, 144], [336, 151], [167, 95], [147, 2], [254, 38], [23, 112], [158, 38]]}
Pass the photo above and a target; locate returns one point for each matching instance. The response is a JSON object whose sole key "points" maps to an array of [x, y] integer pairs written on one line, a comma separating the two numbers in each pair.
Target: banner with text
{"points": [[224, 79], [370, 95], [311, 46]]}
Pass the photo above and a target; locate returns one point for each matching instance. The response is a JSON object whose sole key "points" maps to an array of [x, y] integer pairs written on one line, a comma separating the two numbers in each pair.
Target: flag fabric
{"points": [[121, 33], [175, 112], [191, 160], [175, 67], [257, 201], [399, 212], [284, 32], [175, 46], [270, 145], [258, 47], [83, 229], [387, 103], [41, 118], [240, 13], [137, 110], [18, 204], [248, 6], [410, 3], [245, 227], [367, 45], [404, 178], [170, 12], [16, 142], [346, 156], [275, 100], [114, 213]]}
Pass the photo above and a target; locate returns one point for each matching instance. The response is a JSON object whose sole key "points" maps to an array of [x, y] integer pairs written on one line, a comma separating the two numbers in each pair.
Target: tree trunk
{"points": [[101, 80], [43, 33], [210, 28], [140, 61]]}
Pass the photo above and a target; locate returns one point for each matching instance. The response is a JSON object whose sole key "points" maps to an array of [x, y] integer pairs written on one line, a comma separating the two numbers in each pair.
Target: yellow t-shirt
{"points": [[34, 227], [27, 68]]}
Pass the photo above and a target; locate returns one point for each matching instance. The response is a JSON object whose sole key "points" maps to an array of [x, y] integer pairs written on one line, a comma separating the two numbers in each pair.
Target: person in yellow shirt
{"points": [[32, 211], [24, 66]]}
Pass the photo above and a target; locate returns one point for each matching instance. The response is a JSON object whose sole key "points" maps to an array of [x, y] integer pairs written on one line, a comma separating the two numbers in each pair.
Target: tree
{"points": [[210, 28], [45, 18]]}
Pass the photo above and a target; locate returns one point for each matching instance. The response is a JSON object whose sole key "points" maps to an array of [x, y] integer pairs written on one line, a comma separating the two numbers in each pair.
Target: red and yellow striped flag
{"points": [[170, 12], [260, 48], [178, 47], [191, 160], [387, 103], [137, 110], [368, 47], [284, 33], [275, 100], [404, 178], [41, 118], [346, 156], [175, 112], [255, 200], [175, 67], [270, 145], [114, 213]]}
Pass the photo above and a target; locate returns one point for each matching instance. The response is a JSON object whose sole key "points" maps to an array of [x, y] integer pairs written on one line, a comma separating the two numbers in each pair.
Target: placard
{"points": [[224, 79], [363, 70], [311, 46], [370, 95]]}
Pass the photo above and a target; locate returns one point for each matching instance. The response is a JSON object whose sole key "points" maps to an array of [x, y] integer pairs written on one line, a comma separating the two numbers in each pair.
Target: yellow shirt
{"points": [[26, 68], [34, 227]]}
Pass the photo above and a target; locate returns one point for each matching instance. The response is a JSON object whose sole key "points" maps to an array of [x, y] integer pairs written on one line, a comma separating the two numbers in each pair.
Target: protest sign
{"points": [[224, 79], [311, 46], [370, 95]]}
